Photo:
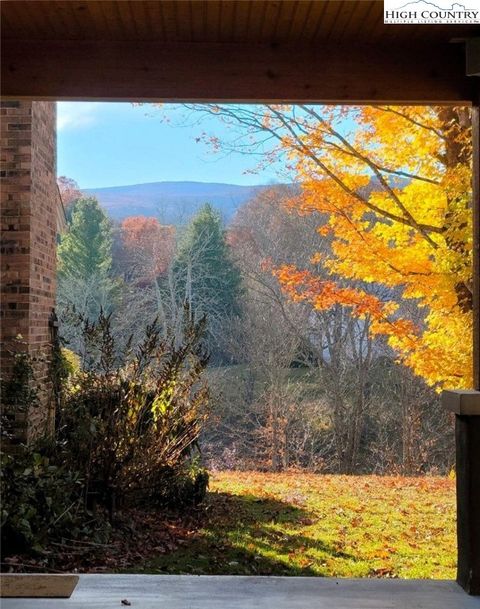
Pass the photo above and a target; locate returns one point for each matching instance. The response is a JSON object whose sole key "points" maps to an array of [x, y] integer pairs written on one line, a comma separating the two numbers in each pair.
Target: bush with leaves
{"points": [[42, 501], [134, 414], [127, 426], [19, 396]]}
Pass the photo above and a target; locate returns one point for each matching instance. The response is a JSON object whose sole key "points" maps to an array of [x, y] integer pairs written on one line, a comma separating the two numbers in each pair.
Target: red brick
{"points": [[29, 199]]}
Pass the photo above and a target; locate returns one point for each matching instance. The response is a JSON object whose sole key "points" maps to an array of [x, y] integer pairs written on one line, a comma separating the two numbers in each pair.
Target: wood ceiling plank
{"points": [[148, 29], [390, 33], [67, 28], [78, 17], [110, 20], [372, 31], [249, 19], [256, 21], [113, 16], [197, 19], [241, 21], [355, 20], [418, 31], [257, 17], [284, 20], [169, 19], [38, 21], [270, 19], [126, 21], [342, 19], [226, 21], [313, 25], [212, 21], [143, 24], [7, 28], [154, 14], [100, 28], [183, 19], [333, 13], [299, 18], [51, 24], [231, 25], [370, 18]]}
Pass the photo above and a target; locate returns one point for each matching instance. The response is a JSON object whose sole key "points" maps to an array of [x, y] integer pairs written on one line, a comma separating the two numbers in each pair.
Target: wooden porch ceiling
{"points": [[234, 21], [320, 50]]}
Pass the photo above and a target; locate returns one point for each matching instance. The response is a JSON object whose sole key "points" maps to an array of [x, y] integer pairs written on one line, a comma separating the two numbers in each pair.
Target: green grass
{"points": [[307, 524]]}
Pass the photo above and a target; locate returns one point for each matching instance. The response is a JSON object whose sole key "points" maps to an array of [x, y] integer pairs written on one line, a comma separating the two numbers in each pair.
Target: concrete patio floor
{"points": [[236, 592]]}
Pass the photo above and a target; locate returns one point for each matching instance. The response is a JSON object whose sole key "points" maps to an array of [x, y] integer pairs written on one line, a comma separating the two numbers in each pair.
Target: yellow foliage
{"points": [[396, 196]]}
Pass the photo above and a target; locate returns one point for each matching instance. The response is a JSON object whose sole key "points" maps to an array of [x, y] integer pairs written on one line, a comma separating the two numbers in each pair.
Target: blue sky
{"points": [[114, 144]]}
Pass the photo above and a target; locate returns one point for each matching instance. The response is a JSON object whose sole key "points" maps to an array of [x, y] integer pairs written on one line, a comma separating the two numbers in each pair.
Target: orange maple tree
{"points": [[396, 197], [149, 244]]}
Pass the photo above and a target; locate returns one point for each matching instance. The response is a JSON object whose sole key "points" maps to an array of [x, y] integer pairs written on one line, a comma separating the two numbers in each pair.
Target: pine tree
{"points": [[85, 249], [206, 276], [85, 283]]}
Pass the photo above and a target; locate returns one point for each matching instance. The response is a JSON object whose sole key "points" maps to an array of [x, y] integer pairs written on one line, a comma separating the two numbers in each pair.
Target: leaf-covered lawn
{"points": [[307, 524]]}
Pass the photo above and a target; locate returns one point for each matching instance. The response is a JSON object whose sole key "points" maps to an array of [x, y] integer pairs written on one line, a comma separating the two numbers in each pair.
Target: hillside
{"points": [[172, 202]]}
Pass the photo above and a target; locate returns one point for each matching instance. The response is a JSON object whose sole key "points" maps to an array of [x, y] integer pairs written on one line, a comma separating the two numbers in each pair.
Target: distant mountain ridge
{"points": [[172, 202]]}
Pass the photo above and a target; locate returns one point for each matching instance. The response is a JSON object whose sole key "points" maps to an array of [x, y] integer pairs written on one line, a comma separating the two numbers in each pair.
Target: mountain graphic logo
{"points": [[422, 4], [437, 12]]}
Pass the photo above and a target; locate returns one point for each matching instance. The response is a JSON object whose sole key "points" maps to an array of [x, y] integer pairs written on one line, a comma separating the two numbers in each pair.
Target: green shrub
{"points": [[176, 487], [127, 427], [133, 414], [41, 502], [19, 394]]}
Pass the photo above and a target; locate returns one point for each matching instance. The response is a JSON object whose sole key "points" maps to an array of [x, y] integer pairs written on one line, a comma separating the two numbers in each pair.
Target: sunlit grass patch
{"points": [[307, 524]]}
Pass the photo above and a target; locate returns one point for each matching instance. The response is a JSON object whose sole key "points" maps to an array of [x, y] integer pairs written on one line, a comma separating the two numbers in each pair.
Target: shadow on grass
{"points": [[245, 535]]}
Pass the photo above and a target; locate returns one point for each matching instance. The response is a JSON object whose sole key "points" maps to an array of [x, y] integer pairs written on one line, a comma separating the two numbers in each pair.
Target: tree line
{"points": [[291, 385]]}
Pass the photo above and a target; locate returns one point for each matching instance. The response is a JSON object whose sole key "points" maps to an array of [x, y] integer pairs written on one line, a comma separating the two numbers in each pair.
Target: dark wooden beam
{"points": [[467, 420], [328, 73], [467, 439], [472, 52]]}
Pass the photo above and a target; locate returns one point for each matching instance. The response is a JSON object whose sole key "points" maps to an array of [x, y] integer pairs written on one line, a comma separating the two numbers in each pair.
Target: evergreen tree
{"points": [[85, 283], [85, 250], [206, 276]]}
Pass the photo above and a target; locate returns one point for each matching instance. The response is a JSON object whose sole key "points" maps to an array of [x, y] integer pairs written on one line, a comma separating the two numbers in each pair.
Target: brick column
{"points": [[29, 207]]}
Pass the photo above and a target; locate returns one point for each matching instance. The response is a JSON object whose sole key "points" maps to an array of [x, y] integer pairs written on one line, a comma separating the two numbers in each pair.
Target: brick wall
{"points": [[29, 207]]}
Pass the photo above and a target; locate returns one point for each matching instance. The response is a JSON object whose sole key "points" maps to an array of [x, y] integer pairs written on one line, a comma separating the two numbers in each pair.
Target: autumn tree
{"points": [[394, 185], [313, 388], [149, 246], [69, 193], [143, 251], [335, 347]]}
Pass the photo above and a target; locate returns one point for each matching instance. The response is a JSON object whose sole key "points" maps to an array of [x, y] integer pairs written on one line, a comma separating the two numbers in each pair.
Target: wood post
{"points": [[466, 406], [467, 437]]}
